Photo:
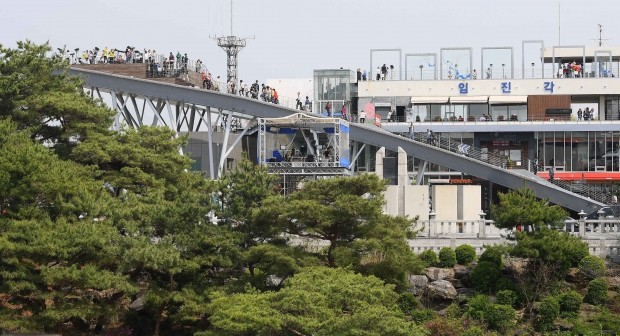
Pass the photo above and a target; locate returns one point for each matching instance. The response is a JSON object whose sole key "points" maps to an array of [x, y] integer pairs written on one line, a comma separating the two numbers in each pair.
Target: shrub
{"points": [[597, 291], [496, 316], [420, 316], [484, 276], [465, 254], [592, 267], [570, 302], [506, 297], [474, 331], [429, 258], [548, 311], [500, 317], [477, 305], [505, 283], [447, 257], [407, 302], [492, 255]]}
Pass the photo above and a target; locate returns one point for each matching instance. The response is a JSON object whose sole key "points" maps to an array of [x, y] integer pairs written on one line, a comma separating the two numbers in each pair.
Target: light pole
{"points": [[532, 69], [421, 67], [503, 71]]}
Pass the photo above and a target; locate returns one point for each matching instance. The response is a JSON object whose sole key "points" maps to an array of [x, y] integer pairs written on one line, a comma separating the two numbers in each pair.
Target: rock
{"points": [[461, 272], [435, 273], [564, 325], [517, 265], [573, 275], [138, 304], [442, 289], [273, 281], [417, 283], [456, 283], [587, 311], [614, 282], [464, 293]]}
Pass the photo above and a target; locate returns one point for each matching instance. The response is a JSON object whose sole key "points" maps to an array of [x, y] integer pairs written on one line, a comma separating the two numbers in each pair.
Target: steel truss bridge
{"points": [[141, 102]]}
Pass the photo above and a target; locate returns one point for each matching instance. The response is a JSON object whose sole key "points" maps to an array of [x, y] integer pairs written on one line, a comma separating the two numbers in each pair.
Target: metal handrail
{"points": [[503, 163]]}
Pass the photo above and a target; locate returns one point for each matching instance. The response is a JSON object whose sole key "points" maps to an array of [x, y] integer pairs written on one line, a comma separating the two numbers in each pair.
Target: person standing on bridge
{"points": [[411, 134], [551, 174], [362, 116]]}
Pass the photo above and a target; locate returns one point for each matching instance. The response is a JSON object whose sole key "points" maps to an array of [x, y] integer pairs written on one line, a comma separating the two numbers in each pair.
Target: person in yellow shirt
{"points": [[111, 55], [104, 55]]}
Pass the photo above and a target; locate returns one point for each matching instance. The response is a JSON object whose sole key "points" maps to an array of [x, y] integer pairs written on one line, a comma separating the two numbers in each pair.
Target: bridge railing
{"points": [[502, 162]]}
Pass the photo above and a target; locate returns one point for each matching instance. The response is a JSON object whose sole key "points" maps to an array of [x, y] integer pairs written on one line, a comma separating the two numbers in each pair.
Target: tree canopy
{"points": [[520, 207]]}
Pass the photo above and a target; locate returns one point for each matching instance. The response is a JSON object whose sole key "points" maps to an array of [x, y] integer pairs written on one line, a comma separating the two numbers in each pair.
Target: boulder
{"points": [[456, 283], [465, 293], [417, 283], [461, 272], [573, 275], [435, 273], [614, 282], [442, 289], [588, 311]]}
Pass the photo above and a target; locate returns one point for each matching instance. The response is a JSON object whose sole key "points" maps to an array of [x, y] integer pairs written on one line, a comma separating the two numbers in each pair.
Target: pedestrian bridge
{"points": [[183, 108]]}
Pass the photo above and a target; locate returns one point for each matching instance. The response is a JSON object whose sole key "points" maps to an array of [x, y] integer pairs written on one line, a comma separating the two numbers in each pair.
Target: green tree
{"points": [[39, 96], [316, 301], [58, 251], [345, 213], [521, 207]]}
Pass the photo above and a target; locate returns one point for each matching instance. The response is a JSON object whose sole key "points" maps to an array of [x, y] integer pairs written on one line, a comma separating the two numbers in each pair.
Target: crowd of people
{"points": [[587, 114]]}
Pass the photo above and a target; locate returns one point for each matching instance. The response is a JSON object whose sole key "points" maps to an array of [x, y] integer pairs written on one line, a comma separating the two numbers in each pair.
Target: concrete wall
{"points": [[407, 200], [469, 201], [445, 200]]}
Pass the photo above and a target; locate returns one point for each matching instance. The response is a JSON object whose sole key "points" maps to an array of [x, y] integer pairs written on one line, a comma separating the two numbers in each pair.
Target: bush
{"points": [[484, 276], [505, 283], [496, 316], [420, 316], [506, 297], [474, 331], [492, 255], [570, 302], [548, 311], [592, 267], [500, 317], [597, 291], [447, 257], [429, 258], [465, 254], [407, 302]]}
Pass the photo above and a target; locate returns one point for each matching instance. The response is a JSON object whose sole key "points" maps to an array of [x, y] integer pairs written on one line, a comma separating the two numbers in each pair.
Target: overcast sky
{"points": [[292, 37]]}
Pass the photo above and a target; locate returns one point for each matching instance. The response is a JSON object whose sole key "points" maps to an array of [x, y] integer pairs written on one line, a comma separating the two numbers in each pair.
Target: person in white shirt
{"points": [[362, 116]]}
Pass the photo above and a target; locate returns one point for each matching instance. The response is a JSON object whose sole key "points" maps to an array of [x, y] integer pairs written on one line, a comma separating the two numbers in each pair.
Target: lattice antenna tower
{"points": [[600, 35], [232, 45]]}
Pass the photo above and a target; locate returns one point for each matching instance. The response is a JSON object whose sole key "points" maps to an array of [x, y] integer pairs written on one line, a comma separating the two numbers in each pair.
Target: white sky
{"points": [[294, 37]]}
